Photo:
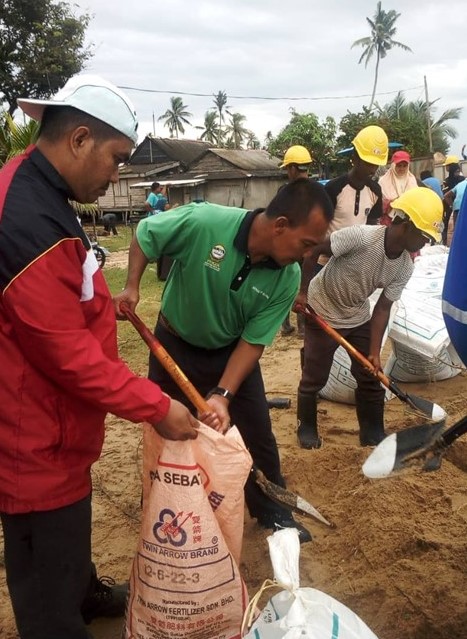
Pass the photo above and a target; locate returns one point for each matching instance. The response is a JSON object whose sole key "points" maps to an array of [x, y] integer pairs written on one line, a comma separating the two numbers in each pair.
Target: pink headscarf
{"points": [[392, 184]]}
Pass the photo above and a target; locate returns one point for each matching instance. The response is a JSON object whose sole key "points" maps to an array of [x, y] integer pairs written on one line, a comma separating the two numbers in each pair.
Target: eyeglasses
{"points": [[404, 217]]}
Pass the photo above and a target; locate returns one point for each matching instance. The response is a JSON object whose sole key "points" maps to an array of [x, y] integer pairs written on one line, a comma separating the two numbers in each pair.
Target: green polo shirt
{"points": [[214, 295]]}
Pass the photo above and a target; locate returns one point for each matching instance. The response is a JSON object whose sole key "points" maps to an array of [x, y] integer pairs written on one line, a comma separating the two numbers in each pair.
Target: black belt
{"points": [[164, 322]]}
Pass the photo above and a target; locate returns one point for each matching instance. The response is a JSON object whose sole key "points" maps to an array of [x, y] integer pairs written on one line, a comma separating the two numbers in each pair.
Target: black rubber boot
{"points": [[370, 417], [307, 414]]}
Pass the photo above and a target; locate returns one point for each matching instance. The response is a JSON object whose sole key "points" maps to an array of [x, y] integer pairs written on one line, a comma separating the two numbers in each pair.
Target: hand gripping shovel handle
{"points": [[275, 492], [417, 403], [309, 312]]}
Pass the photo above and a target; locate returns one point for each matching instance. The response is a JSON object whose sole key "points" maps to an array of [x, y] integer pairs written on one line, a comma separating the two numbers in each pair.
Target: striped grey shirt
{"points": [[340, 291]]}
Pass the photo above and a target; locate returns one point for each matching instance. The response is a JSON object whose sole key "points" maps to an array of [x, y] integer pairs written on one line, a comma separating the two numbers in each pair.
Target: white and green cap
{"points": [[92, 95]]}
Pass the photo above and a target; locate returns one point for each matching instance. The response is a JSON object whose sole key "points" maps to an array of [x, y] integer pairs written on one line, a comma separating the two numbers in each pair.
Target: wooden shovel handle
{"points": [[309, 312], [166, 360]]}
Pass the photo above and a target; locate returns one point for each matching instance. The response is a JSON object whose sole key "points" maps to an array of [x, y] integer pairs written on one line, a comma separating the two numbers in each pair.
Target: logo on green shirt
{"points": [[216, 255]]}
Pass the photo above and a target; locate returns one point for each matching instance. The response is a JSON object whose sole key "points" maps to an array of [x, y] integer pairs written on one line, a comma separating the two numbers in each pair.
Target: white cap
{"points": [[93, 95]]}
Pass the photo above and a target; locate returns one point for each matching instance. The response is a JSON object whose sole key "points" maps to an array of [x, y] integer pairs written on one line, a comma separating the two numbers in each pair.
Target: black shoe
{"points": [[280, 522], [108, 599]]}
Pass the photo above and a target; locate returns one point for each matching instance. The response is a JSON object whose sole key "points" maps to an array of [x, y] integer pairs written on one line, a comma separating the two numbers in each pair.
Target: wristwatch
{"points": [[223, 392]]}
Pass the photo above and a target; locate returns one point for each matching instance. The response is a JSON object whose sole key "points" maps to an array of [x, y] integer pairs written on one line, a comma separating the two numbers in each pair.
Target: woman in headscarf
{"points": [[396, 181]]}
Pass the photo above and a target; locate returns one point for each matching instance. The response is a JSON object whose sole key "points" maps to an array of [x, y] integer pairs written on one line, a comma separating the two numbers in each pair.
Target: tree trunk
{"points": [[376, 80]]}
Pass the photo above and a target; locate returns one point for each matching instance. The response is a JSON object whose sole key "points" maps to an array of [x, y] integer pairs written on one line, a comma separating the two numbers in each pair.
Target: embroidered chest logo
{"points": [[216, 255]]}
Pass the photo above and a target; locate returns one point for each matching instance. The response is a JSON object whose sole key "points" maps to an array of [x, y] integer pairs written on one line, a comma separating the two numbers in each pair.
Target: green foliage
{"points": [[221, 107], [14, 137], [404, 122], [306, 129], [252, 141], [235, 131], [210, 129], [41, 47], [380, 41], [175, 117]]}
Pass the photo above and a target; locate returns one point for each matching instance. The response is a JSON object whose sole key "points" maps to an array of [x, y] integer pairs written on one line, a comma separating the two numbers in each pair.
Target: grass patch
{"points": [[120, 242], [131, 347]]}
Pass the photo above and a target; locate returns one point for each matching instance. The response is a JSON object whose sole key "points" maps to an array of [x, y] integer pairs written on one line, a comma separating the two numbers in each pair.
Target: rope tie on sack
{"points": [[250, 611]]}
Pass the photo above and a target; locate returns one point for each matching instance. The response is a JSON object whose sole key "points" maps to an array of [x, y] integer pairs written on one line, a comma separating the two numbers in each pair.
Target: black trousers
{"points": [[48, 569], [248, 410], [319, 353]]}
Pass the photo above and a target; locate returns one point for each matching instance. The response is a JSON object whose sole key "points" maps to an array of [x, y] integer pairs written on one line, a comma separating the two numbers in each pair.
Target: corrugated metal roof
{"points": [[158, 150], [146, 169], [173, 183], [249, 160]]}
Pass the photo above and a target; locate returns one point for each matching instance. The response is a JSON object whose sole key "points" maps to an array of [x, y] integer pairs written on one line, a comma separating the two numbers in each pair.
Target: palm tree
{"points": [[236, 131], [410, 113], [175, 117], [14, 137], [380, 41], [210, 129], [252, 141], [220, 101], [268, 139]]}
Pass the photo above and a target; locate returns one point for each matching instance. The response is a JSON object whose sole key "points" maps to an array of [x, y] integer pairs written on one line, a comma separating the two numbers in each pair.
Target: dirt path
{"points": [[398, 556]]}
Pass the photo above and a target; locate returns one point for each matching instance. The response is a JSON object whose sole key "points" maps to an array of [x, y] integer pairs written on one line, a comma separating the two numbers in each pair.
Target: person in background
{"points": [[157, 199], [297, 162], [454, 197], [432, 182], [234, 278], [60, 373], [454, 175], [355, 196], [396, 181], [110, 223], [362, 259]]}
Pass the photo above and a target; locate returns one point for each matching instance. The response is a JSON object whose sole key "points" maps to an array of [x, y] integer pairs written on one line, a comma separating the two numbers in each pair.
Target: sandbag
{"points": [[406, 365], [422, 349], [299, 613], [341, 384], [185, 581]]}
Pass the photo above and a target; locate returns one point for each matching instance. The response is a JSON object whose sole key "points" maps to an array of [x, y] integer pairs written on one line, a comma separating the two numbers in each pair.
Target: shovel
{"points": [[421, 405], [273, 491], [420, 445]]}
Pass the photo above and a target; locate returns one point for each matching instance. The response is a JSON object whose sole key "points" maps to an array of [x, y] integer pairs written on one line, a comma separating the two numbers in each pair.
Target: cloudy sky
{"points": [[274, 49]]}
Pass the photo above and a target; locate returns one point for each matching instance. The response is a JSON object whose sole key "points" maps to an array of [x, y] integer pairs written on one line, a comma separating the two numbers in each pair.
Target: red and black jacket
{"points": [[59, 368]]}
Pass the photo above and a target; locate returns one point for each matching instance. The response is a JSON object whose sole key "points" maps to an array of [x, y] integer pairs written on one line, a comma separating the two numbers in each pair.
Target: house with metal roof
{"points": [[193, 170]]}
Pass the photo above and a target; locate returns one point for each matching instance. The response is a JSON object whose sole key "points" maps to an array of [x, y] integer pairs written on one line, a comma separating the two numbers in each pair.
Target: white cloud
{"points": [[268, 48]]}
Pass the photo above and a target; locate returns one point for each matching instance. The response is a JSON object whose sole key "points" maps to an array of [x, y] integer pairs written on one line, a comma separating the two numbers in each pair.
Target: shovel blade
{"points": [[288, 498], [403, 449], [431, 410]]}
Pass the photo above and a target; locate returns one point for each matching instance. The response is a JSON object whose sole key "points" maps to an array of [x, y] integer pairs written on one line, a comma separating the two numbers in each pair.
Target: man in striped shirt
{"points": [[362, 259]]}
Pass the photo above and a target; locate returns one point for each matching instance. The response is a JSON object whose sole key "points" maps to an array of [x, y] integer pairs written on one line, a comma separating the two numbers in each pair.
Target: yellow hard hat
{"points": [[371, 144], [296, 155], [451, 159], [424, 207]]}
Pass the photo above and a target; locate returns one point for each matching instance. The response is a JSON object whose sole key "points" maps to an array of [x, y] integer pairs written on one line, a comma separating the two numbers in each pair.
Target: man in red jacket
{"points": [[60, 372]]}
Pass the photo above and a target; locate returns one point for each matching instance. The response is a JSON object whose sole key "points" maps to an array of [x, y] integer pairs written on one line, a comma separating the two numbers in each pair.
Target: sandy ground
{"points": [[398, 554]]}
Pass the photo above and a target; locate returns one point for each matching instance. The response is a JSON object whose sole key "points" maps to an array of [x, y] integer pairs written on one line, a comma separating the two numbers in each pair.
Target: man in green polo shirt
{"points": [[234, 279]]}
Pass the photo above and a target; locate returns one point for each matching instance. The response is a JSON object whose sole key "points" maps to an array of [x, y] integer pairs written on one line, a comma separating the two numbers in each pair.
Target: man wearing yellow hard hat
{"points": [[356, 196], [361, 259], [297, 161]]}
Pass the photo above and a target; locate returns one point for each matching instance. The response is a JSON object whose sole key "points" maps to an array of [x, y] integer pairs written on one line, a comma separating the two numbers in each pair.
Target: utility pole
{"points": [[428, 119]]}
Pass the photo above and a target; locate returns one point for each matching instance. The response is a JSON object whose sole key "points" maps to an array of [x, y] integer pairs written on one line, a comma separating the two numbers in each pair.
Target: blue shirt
{"points": [[435, 185], [459, 191], [157, 202]]}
